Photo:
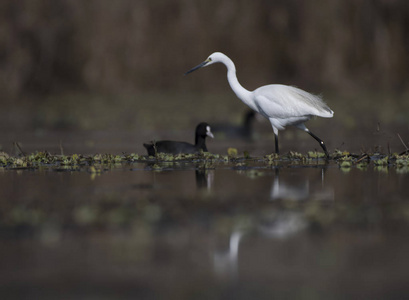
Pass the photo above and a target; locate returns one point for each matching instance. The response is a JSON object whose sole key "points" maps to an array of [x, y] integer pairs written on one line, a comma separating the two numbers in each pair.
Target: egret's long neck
{"points": [[241, 92]]}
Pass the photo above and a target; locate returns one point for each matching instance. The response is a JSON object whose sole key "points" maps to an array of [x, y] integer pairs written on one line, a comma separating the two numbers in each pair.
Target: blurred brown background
{"points": [[120, 64]]}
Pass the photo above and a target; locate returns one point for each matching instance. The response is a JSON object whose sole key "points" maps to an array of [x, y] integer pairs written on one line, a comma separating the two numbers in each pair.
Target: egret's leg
{"points": [[276, 139], [276, 142], [321, 142]]}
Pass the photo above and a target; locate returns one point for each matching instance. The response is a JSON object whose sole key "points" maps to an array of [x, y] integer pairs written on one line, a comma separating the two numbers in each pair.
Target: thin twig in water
{"points": [[403, 143], [16, 145], [363, 157], [61, 149]]}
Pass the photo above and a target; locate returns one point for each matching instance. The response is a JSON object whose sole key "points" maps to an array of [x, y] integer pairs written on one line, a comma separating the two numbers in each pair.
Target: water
{"points": [[238, 229], [242, 229]]}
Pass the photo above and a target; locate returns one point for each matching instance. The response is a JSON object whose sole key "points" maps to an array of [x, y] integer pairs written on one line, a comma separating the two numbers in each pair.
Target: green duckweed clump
{"points": [[344, 159], [315, 154], [296, 156], [271, 157]]}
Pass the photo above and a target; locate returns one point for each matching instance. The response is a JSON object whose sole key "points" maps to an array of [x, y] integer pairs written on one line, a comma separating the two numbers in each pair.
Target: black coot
{"points": [[173, 147], [243, 131]]}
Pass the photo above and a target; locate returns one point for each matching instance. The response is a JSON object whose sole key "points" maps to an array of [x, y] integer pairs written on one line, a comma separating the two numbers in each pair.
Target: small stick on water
{"points": [[61, 149], [403, 143], [16, 145], [362, 158]]}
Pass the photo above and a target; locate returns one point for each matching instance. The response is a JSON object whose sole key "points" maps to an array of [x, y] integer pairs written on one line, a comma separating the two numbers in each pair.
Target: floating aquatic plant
{"points": [[295, 155], [344, 159], [232, 152], [402, 160], [133, 157], [381, 168], [363, 165], [345, 164], [254, 173], [272, 157], [315, 154], [382, 161], [338, 154]]}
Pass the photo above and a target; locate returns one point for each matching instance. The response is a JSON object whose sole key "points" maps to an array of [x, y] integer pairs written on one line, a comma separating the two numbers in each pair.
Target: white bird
{"points": [[282, 105]]}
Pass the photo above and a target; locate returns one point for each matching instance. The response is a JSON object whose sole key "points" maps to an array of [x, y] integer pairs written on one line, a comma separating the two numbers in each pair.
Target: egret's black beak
{"points": [[197, 67]]}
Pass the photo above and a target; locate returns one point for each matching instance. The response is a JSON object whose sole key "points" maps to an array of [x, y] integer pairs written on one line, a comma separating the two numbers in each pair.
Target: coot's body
{"points": [[175, 147]]}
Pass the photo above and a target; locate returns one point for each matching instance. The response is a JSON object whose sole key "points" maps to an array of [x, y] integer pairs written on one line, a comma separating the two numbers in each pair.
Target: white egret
{"points": [[281, 104]]}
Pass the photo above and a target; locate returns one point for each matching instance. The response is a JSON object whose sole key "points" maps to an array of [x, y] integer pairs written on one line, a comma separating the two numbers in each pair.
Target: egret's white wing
{"points": [[282, 101]]}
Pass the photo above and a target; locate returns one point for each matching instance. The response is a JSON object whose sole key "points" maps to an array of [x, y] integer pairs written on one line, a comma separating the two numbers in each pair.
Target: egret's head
{"points": [[213, 58]]}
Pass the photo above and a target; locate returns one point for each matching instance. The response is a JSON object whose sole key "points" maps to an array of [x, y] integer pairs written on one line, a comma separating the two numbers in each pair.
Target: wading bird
{"points": [[282, 105], [242, 131], [172, 147]]}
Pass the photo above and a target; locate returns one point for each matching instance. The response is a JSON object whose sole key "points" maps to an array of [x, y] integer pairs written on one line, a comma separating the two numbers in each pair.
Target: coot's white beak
{"points": [[208, 132]]}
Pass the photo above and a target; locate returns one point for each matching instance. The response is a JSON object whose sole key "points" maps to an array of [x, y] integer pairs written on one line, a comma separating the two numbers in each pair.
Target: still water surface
{"points": [[236, 230], [221, 230]]}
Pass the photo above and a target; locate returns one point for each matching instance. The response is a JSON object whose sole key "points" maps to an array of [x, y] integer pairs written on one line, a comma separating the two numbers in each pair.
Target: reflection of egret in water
{"points": [[226, 261], [280, 190], [274, 222], [282, 224], [301, 190]]}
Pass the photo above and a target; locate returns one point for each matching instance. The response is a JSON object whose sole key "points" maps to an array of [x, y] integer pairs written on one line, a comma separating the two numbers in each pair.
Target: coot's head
{"points": [[203, 130]]}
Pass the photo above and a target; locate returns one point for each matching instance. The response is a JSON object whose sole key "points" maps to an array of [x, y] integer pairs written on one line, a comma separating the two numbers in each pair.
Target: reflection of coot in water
{"points": [[204, 178], [244, 131], [173, 147]]}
